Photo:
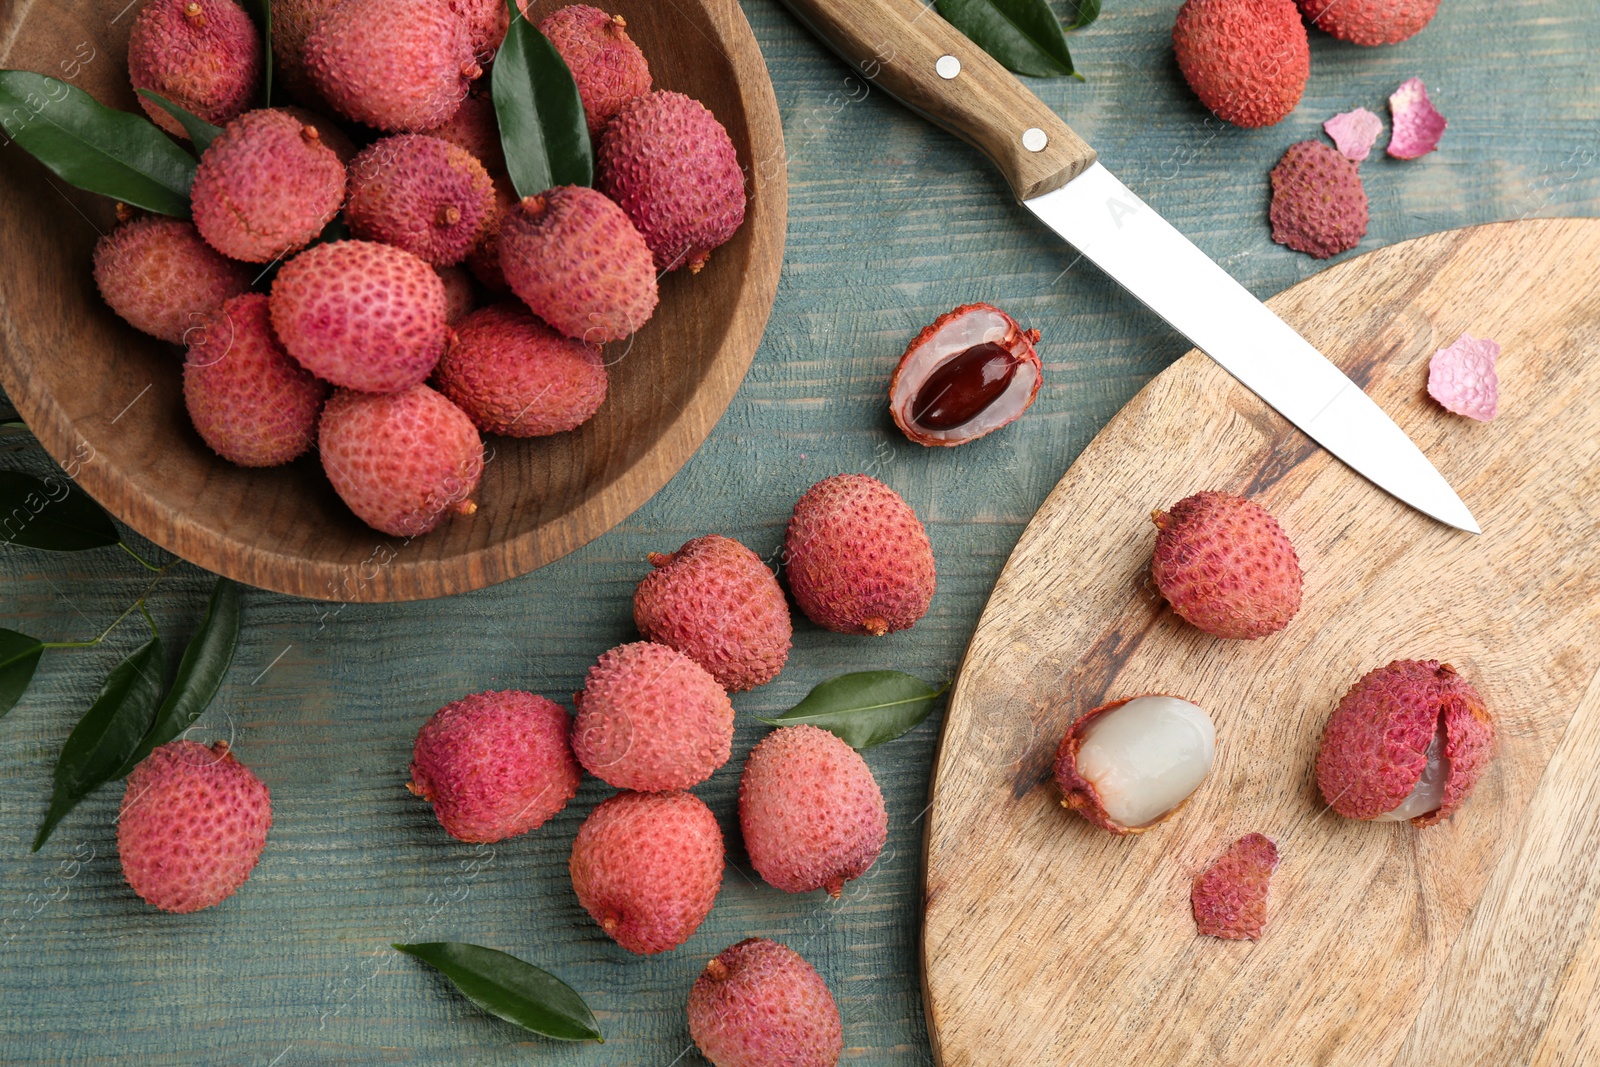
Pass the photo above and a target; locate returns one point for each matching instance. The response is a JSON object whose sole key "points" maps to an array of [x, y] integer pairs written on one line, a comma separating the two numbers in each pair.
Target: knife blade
{"points": [[906, 49]]}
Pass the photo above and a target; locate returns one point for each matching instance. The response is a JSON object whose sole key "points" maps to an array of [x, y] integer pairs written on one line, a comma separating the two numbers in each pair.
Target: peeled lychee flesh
{"points": [[403, 461], [250, 401], [856, 557], [1319, 206], [579, 264], [672, 167], [810, 810], [1370, 22], [970, 373], [422, 194], [651, 719], [1230, 896], [1247, 60], [647, 867], [397, 65], [608, 67], [202, 55], [495, 764], [1226, 566], [1129, 765], [760, 1004], [516, 376], [193, 823], [1408, 741], [266, 187], [162, 278], [717, 603], [362, 315]]}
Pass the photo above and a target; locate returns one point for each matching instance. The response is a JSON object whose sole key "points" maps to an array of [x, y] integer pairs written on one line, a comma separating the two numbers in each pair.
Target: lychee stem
{"points": [[659, 559], [449, 215], [1159, 517], [877, 626], [716, 970], [466, 507], [618, 23], [193, 12]]}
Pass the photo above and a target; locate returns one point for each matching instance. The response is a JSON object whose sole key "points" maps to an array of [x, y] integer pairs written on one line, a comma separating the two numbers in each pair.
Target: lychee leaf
{"points": [[510, 989], [19, 656], [1024, 35], [201, 133], [543, 128], [865, 708], [1088, 11], [94, 147], [51, 514], [260, 11]]}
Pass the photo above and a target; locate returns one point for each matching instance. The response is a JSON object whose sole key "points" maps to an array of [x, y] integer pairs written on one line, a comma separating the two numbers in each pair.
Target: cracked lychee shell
{"points": [[1226, 566], [971, 372], [1141, 771]]}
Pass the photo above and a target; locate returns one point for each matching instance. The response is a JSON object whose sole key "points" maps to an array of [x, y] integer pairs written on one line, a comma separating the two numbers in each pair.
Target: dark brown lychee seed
{"points": [[964, 387]]}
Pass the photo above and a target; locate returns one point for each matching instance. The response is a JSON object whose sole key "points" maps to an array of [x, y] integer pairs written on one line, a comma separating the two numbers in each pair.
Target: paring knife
{"points": [[906, 49]]}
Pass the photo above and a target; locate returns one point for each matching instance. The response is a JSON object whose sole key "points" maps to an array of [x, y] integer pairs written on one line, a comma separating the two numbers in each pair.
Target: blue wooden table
{"points": [[891, 224]]}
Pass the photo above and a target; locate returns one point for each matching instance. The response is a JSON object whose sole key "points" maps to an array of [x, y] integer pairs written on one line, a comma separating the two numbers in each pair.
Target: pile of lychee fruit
{"points": [[371, 348]]}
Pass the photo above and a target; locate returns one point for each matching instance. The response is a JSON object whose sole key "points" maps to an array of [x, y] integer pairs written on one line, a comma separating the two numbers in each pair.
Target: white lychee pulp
{"points": [[1428, 794], [1147, 756]]}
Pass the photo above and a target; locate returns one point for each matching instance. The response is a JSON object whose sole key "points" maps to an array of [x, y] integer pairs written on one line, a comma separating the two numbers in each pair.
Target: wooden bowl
{"points": [[107, 403]]}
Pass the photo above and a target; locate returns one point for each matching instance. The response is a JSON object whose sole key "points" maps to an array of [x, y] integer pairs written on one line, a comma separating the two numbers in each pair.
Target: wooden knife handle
{"points": [[904, 48]]}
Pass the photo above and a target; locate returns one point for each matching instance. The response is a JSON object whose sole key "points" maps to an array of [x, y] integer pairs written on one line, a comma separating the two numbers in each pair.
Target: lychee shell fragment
{"points": [[1319, 206], [947, 338], [1230, 896]]}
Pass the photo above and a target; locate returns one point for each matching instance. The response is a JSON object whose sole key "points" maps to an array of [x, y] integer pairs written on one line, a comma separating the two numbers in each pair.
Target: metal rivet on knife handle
{"points": [[948, 67]]}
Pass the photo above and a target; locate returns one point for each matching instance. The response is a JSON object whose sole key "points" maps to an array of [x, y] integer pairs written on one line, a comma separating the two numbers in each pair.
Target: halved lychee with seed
{"points": [[1128, 765], [970, 373]]}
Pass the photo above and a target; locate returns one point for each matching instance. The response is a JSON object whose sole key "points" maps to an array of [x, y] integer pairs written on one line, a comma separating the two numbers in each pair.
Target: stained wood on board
{"points": [[1047, 941]]}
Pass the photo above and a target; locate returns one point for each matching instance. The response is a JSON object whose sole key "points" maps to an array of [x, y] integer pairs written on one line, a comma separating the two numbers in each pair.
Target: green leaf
{"points": [[94, 147], [1088, 11], [201, 133], [51, 514], [510, 989], [542, 124], [108, 732], [19, 655], [866, 708], [200, 673], [1024, 35]]}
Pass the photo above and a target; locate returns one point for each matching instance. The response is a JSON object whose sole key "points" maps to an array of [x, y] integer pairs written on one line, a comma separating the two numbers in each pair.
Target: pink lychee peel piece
{"points": [[1417, 124], [1354, 133], [1462, 377], [1230, 896]]}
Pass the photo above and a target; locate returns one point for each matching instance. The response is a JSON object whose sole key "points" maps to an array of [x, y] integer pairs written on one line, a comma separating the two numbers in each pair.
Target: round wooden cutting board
{"points": [[1477, 941]]}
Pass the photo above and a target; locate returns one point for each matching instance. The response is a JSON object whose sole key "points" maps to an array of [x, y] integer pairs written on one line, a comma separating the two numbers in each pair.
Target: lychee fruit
{"points": [[1247, 60], [1318, 204], [1229, 897], [576, 260], [608, 67], [810, 810], [651, 719], [250, 401], [266, 187], [1226, 566], [647, 867], [202, 55], [672, 167], [717, 603], [1370, 22], [475, 127], [398, 65], [856, 557], [494, 765], [1129, 765], [487, 22], [760, 1004], [193, 823], [293, 22], [360, 314], [401, 461], [484, 259], [516, 376], [1408, 741], [970, 373], [162, 278], [422, 194]]}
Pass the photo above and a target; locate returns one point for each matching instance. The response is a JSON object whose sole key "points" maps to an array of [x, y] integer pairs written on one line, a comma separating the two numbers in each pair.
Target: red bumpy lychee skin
{"points": [[1229, 897], [1318, 204], [516, 376], [484, 259], [651, 719], [495, 765], [293, 22], [397, 65], [810, 810], [193, 823], [971, 372], [672, 167], [475, 127], [266, 187], [1247, 60], [250, 401], [403, 461], [460, 295], [608, 67], [361, 315], [856, 557], [487, 22], [202, 55], [717, 603], [422, 194], [647, 867], [1375, 744], [1370, 22], [1226, 566], [760, 1004], [162, 278]]}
